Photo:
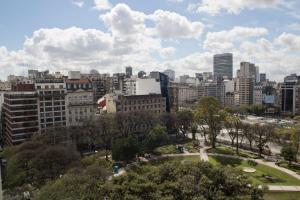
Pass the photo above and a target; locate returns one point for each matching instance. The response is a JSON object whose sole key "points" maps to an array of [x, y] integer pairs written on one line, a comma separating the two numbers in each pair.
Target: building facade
{"points": [[51, 102], [79, 102], [223, 66], [20, 113]]}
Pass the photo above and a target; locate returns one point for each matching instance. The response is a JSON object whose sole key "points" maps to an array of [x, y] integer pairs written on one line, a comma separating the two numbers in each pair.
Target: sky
{"points": [[183, 35]]}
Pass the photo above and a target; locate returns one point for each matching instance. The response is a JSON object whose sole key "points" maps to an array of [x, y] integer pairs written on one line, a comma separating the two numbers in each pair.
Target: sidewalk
{"points": [[276, 188]]}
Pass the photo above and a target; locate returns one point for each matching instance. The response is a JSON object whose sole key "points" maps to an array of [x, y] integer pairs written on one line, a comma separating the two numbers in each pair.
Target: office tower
{"points": [[247, 79], [51, 100], [290, 95], [20, 112], [246, 89], [257, 77], [170, 73], [248, 70], [128, 71], [79, 101], [164, 86], [223, 66], [262, 77]]}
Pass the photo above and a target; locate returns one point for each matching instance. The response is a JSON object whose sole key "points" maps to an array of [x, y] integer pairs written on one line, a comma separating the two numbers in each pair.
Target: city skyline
{"points": [[172, 34]]}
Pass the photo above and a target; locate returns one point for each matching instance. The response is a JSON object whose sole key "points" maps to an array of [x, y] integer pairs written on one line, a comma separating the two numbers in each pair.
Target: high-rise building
{"points": [[20, 112], [246, 89], [246, 80], [170, 73], [223, 66], [262, 77], [248, 70], [128, 71]]}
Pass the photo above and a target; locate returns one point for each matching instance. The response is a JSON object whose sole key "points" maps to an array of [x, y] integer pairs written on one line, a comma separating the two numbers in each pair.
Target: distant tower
{"points": [[223, 66], [129, 71]]}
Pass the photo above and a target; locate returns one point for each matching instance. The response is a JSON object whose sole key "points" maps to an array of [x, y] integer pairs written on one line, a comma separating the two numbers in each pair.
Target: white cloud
{"points": [[172, 25], [214, 7], [294, 26], [224, 40], [167, 52], [122, 20], [78, 3], [196, 62], [102, 5], [176, 1], [289, 41]]}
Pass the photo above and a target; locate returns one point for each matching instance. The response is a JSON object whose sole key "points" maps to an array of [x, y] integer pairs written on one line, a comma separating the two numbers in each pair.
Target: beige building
{"points": [[154, 103], [79, 102]]}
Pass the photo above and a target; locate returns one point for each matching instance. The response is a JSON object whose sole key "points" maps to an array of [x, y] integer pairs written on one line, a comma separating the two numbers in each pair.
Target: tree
{"points": [[295, 138], [263, 133], [289, 153], [248, 133], [209, 113], [169, 121], [228, 124], [125, 149], [35, 163], [105, 131], [184, 121], [157, 137], [194, 129]]}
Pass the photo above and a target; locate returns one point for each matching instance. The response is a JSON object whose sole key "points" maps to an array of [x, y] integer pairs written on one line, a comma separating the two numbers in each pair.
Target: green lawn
{"points": [[171, 148], [282, 196], [231, 151], [264, 175]]}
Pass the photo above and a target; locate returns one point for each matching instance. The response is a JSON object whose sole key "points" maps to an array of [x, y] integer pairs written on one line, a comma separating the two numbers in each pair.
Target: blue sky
{"points": [[149, 35]]}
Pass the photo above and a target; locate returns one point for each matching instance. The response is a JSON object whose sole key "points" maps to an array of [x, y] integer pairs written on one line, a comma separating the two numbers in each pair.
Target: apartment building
{"points": [[51, 102], [79, 102], [20, 114]]}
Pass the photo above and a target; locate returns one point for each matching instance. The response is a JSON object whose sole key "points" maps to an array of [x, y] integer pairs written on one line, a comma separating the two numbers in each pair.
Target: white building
{"points": [[258, 95], [51, 102], [74, 75], [137, 86]]}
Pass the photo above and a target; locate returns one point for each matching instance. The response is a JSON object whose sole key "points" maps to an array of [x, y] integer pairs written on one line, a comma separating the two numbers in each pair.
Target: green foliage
{"points": [[158, 136], [251, 163], [125, 149], [35, 163], [209, 113], [184, 120], [289, 153]]}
